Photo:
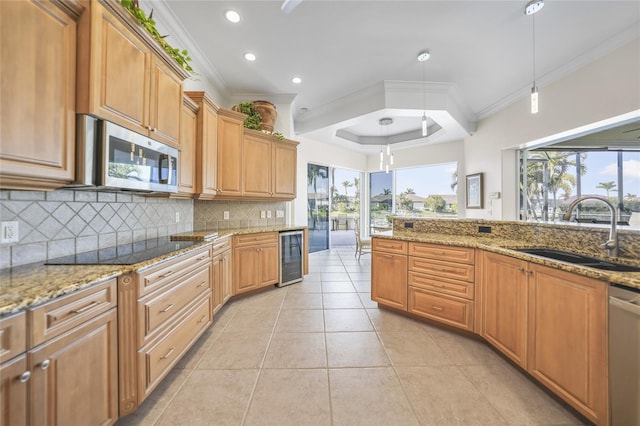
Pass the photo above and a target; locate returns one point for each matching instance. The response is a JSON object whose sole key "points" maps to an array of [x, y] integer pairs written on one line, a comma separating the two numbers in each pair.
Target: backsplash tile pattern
{"points": [[63, 222], [209, 215]]}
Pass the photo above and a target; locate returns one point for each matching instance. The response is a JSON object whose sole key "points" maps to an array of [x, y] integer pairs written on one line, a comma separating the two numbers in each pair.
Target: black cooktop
{"points": [[126, 254]]}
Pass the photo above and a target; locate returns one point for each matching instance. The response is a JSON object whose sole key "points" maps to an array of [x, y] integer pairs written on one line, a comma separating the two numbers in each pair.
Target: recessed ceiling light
{"points": [[250, 56], [296, 80], [232, 16], [423, 56]]}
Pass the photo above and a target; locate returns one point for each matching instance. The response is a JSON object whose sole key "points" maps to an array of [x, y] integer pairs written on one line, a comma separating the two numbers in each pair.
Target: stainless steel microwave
{"points": [[113, 157]]}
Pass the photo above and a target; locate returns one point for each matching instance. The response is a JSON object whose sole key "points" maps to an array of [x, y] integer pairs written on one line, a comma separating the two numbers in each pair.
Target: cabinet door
{"points": [[74, 376], [229, 166], [504, 305], [568, 338], [389, 279], [216, 282], [227, 276], [283, 158], [269, 270], [256, 166], [187, 171], [120, 77], [165, 104], [246, 261], [37, 95], [13, 392], [209, 150]]}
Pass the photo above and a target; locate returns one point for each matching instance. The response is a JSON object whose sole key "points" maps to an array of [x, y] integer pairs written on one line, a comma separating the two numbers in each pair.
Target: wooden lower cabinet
{"points": [[504, 305], [389, 273], [14, 386], [255, 260], [568, 338], [444, 309], [74, 376], [222, 275]]}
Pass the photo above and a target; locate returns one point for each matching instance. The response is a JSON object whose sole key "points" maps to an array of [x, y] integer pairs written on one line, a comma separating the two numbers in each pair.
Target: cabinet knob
{"points": [[24, 377], [45, 364]]}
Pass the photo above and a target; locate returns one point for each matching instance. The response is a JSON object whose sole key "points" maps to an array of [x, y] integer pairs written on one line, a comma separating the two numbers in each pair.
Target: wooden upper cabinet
{"points": [[188, 137], [230, 132], [125, 77], [37, 93], [256, 166], [206, 159], [284, 164]]}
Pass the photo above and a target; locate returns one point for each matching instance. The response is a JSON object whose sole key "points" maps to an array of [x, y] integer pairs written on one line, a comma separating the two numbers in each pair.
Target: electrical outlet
{"points": [[225, 215], [263, 214], [268, 214], [9, 232], [177, 217], [279, 213]]}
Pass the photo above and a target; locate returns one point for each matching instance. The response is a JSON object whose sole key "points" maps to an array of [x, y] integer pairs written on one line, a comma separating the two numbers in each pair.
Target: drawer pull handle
{"points": [[436, 308], [201, 284], [171, 349], [86, 308], [204, 317], [24, 377], [202, 257], [45, 364], [166, 275], [168, 308], [388, 256]]}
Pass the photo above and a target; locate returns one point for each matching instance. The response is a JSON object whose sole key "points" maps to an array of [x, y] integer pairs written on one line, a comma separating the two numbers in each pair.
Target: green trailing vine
{"points": [[181, 56], [253, 118]]}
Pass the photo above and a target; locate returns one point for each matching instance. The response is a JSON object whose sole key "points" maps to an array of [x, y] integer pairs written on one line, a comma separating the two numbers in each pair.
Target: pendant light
{"points": [[385, 122], [532, 8], [422, 57]]}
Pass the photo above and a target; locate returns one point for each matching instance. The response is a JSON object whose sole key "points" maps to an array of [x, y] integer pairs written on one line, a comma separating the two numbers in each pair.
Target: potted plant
{"points": [[261, 115]]}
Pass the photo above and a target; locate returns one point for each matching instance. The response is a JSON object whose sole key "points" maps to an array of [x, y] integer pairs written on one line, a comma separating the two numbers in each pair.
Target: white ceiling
{"points": [[357, 59]]}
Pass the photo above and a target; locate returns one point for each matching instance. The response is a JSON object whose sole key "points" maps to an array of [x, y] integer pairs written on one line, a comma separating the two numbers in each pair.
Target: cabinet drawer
{"points": [[156, 310], [167, 272], [62, 314], [155, 360], [444, 253], [250, 239], [447, 310], [456, 271], [390, 246], [13, 336], [442, 285], [220, 246]]}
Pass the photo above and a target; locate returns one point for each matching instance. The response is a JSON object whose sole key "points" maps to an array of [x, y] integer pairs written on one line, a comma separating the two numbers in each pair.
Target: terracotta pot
{"points": [[268, 115]]}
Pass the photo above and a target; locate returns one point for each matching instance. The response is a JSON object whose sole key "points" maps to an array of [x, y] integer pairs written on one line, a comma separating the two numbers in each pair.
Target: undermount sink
{"points": [[579, 259]]}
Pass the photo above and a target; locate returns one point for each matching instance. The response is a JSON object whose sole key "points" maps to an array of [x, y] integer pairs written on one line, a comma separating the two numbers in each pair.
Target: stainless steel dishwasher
{"points": [[624, 355]]}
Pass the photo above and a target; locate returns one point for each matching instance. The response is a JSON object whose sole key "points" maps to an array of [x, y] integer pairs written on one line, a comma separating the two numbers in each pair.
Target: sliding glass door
{"points": [[318, 206]]}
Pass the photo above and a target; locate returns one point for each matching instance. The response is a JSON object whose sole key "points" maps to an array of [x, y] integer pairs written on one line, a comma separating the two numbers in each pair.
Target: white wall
{"points": [[604, 89]]}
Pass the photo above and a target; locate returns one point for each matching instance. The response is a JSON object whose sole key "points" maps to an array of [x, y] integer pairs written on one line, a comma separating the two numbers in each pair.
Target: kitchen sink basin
{"points": [[579, 259]]}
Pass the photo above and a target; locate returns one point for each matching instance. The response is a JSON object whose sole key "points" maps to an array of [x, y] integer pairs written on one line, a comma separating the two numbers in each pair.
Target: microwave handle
{"points": [[168, 159]]}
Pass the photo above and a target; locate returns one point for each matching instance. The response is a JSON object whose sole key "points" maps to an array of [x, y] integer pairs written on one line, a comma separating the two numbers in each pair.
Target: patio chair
{"points": [[363, 245]]}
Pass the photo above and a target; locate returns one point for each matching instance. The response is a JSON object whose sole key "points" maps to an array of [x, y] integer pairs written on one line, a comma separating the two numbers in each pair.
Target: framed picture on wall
{"points": [[474, 191]]}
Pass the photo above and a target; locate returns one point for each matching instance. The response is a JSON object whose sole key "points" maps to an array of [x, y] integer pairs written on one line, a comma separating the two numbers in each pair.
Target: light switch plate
{"points": [[279, 213], [269, 214], [225, 215], [263, 215]]}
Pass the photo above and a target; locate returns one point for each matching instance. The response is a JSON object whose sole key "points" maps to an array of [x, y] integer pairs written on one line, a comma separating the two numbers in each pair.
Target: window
{"points": [[551, 179], [424, 191]]}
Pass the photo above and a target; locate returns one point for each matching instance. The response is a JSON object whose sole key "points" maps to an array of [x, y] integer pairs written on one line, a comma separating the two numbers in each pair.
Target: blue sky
{"points": [[432, 179]]}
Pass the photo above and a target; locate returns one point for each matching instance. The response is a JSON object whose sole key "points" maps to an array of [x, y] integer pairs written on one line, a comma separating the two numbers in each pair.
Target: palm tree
{"points": [[386, 191], [454, 180], [410, 191], [630, 196], [346, 185], [609, 186]]}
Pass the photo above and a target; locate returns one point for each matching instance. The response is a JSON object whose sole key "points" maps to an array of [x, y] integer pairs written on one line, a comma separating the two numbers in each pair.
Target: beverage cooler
{"points": [[291, 257]]}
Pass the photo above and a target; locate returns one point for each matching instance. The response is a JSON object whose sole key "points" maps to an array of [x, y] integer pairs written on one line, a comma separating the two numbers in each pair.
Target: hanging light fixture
{"points": [[532, 8], [385, 122], [422, 57]]}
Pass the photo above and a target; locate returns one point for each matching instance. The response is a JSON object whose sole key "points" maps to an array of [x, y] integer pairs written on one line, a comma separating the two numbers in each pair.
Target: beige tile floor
{"points": [[321, 353]]}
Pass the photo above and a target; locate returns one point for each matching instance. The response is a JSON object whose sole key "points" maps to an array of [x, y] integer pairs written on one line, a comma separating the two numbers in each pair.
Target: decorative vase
{"points": [[268, 115]]}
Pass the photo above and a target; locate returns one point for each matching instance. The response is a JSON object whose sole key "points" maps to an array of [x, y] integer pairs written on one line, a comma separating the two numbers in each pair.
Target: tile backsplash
{"points": [[63, 222]]}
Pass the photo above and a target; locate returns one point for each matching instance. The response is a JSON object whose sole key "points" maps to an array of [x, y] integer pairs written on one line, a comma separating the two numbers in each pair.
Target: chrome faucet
{"points": [[611, 245]]}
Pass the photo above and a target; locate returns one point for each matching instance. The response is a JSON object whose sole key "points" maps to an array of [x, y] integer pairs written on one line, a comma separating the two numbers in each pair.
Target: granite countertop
{"points": [[30, 285], [508, 247]]}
